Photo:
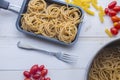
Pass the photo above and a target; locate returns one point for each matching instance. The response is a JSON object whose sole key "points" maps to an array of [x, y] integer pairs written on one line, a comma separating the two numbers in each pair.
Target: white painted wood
{"points": [[15, 58], [13, 61], [53, 74]]}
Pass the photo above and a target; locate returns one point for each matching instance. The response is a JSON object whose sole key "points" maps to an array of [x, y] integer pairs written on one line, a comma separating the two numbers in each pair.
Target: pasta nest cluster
{"points": [[106, 65], [51, 20]]}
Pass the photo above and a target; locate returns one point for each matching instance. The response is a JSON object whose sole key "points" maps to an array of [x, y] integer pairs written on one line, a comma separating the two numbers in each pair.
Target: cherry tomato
{"points": [[115, 18], [117, 26], [114, 31], [42, 78], [116, 8], [44, 72], [112, 13], [106, 11], [27, 79], [115, 23], [26, 74], [36, 76], [34, 69], [112, 4], [41, 67], [47, 78]]}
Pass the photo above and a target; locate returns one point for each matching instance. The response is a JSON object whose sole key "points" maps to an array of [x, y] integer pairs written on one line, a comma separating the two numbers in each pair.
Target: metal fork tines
{"points": [[71, 59], [65, 57]]}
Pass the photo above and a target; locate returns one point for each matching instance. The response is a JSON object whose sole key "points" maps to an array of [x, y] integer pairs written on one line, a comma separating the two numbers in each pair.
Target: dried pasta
{"points": [[106, 65], [86, 4], [51, 20]]}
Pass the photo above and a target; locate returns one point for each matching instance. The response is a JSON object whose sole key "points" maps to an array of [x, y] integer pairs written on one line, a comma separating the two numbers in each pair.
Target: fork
{"points": [[71, 59]]}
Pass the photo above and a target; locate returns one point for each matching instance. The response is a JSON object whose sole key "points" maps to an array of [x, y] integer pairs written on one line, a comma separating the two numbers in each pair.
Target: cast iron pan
{"points": [[113, 44], [6, 5]]}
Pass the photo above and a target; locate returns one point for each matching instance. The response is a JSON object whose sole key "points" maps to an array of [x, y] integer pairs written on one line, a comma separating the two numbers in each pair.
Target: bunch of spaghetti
{"points": [[51, 20], [106, 66]]}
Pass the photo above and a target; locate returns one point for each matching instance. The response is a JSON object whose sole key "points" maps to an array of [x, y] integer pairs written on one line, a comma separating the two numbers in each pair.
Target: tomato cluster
{"points": [[36, 73], [112, 10]]}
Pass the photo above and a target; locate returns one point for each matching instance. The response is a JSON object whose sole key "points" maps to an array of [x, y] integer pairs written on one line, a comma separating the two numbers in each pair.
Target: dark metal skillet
{"points": [[115, 43], [6, 5]]}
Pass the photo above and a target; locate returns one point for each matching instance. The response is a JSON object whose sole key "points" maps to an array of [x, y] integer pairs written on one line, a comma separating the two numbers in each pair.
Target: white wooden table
{"points": [[13, 61]]}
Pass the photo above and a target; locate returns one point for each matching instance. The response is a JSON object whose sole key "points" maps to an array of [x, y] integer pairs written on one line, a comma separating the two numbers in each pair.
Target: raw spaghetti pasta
{"points": [[51, 20], [106, 65]]}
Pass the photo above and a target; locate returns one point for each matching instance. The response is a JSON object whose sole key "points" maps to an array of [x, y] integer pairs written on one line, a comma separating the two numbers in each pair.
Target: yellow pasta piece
{"points": [[94, 4], [95, 1], [89, 11], [86, 5], [82, 3], [101, 17], [108, 32], [76, 3], [101, 14], [87, 1], [101, 10], [68, 1]]}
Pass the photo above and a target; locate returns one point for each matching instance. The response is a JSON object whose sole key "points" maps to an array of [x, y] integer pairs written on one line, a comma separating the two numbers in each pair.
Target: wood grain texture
{"points": [[54, 74]]}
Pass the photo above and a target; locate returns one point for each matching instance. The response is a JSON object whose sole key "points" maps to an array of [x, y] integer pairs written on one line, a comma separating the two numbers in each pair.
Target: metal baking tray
{"points": [[6, 5]]}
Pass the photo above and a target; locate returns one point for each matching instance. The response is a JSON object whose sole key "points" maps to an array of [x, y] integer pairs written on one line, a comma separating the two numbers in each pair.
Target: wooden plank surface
{"points": [[21, 59], [54, 74]]}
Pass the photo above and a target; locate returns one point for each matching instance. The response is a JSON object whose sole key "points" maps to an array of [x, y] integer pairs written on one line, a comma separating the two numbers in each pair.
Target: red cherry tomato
{"points": [[27, 79], [26, 74], [117, 26], [112, 13], [114, 31], [112, 4], [106, 11], [44, 72], [116, 8], [115, 18], [47, 78], [41, 67], [36, 76], [34, 69], [42, 78]]}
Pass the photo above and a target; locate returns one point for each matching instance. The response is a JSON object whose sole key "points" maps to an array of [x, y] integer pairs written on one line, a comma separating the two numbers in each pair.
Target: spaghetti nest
{"points": [[106, 66], [51, 20]]}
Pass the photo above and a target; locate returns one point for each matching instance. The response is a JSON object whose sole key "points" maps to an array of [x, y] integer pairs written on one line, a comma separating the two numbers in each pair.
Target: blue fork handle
{"points": [[4, 4]]}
